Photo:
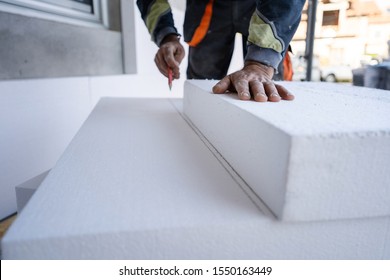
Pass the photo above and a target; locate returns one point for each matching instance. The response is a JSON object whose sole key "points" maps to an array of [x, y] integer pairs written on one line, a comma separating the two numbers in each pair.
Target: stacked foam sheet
{"points": [[324, 156], [138, 182]]}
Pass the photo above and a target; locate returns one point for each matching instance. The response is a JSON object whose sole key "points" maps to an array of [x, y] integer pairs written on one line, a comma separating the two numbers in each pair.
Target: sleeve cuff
{"points": [[265, 56], [164, 32]]}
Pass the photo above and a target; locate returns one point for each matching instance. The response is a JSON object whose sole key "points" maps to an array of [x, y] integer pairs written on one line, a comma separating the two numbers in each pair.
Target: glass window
{"points": [[85, 12], [330, 18]]}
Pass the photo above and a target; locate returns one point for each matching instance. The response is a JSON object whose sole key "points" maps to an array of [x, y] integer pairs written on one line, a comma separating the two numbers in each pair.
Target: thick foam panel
{"points": [[25, 191], [137, 182], [325, 155]]}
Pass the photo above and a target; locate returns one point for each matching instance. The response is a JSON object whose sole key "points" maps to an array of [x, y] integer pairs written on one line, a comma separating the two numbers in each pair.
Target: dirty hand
{"points": [[170, 54], [255, 80]]}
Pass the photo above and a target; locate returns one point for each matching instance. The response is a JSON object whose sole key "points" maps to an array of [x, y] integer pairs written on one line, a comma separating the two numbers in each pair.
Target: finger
{"points": [[161, 65], [222, 86], [242, 88], [284, 93], [257, 90], [271, 92], [179, 54]]}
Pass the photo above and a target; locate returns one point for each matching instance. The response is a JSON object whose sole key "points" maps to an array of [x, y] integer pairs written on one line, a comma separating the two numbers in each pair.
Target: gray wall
{"points": [[39, 48]]}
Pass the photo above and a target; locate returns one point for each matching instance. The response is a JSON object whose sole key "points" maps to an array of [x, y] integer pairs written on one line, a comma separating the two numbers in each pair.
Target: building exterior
{"points": [[348, 33]]}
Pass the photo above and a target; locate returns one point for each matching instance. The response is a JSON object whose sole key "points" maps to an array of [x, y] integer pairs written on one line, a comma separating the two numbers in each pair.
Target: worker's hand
{"points": [[170, 54], [255, 80]]}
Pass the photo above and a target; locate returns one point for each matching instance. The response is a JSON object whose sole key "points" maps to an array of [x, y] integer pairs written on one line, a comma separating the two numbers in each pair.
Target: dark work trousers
{"points": [[210, 59]]}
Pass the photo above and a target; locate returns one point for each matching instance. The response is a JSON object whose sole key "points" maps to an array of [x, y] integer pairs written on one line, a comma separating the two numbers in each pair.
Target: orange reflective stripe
{"points": [[203, 27], [287, 68]]}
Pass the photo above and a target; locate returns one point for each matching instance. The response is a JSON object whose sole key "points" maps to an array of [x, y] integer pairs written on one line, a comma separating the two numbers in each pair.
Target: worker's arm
{"points": [[157, 16], [271, 29]]}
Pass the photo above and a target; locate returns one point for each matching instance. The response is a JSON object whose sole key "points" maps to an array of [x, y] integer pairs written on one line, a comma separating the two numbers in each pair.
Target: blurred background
{"points": [[350, 37]]}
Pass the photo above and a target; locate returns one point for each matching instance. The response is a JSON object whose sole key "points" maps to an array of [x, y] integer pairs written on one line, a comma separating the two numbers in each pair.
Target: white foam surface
{"points": [[323, 156], [137, 182]]}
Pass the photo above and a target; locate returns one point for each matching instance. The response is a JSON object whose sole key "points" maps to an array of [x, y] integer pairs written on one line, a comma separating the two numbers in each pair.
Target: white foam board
{"points": [[137, 182], [323, 156], [386, 249], [39, 117], [27, 189]]}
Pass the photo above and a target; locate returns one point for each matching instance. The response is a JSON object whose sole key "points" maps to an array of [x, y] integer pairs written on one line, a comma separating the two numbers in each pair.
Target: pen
{"points": [[170, 78]]}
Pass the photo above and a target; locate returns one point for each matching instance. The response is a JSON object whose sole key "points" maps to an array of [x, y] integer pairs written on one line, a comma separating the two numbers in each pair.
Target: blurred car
{"points": [[336, 73]]}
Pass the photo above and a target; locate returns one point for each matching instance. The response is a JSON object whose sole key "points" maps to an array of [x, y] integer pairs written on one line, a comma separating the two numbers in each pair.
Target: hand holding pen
{"points": [[169, 57]]}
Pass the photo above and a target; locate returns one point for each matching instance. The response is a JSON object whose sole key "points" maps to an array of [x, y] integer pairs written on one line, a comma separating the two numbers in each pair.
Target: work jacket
{"points": [[271, 28]]}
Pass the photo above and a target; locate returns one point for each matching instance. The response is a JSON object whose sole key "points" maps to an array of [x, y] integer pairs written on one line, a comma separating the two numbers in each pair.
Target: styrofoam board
{"points": [[138, 183], [322, 156], [27, 189], [39, 117]]}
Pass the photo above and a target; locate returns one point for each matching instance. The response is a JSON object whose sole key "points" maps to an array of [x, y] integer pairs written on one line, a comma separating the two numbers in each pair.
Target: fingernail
{"points": [[245, 94]]}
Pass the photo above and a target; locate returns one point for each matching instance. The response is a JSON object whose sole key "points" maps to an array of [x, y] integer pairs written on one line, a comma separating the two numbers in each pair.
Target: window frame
{"points": [[49, 10]]}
